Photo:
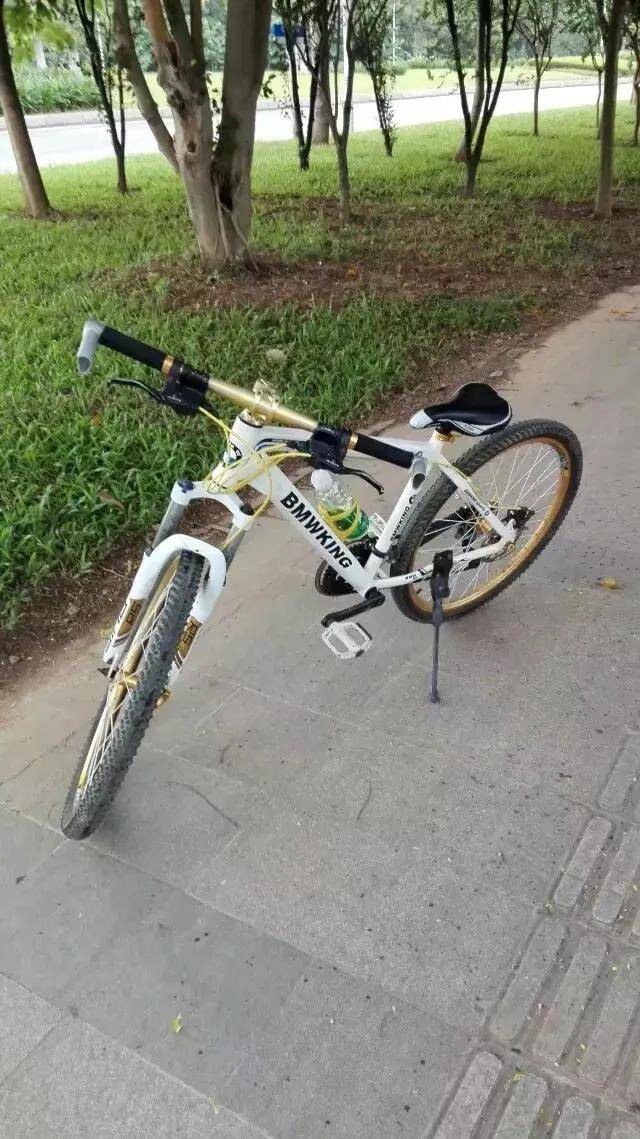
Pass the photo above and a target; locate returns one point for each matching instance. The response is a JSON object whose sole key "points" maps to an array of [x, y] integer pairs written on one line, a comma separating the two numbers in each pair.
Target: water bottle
{"points": [[340, 510]]}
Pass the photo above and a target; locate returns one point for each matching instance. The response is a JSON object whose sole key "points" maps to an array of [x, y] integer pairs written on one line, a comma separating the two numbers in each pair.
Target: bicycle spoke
{"points": [[525, 477]]}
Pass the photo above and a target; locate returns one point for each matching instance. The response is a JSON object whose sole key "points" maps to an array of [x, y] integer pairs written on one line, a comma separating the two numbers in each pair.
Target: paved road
{"points": [[376, 918], [66, 145]]}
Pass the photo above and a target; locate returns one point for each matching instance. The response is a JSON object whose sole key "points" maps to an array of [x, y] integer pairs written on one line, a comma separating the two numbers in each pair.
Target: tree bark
{"points": [[598, 101], [33, 189], [637, 97], [217, 182], [344, 182], [127, 58], [478, 95], [320, 132], [604, 196], [471, 174], [245, 59], [536, 104]]}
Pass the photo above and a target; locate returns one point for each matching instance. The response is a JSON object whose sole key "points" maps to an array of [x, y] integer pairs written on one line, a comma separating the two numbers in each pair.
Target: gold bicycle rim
{"points": [[126, 679], [423, 602]]}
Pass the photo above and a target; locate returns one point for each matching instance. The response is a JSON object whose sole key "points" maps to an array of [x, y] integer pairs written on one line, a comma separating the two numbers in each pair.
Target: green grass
{"points": [[64, 440]]}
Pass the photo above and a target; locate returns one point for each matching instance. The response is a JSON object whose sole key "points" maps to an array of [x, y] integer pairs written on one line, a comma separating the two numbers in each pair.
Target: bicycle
{"points": [[446, 548]]}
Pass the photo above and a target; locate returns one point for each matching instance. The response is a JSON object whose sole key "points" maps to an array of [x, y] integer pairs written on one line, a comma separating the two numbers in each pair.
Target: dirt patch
{"points": [[275, 283], [406, 253]]}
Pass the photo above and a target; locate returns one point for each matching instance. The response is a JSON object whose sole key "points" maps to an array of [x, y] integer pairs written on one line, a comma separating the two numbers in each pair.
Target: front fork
{"points": [[166, 546]]}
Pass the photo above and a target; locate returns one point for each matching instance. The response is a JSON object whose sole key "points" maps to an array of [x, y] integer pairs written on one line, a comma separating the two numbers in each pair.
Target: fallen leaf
{"points": [[621, 311], [609, 583], [351, 271], [96, 419], [109, 500], [176, 1024]]}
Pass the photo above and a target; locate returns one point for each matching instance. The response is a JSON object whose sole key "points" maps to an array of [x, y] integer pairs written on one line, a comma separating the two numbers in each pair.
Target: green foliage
{"points": [[63, 439], [57, 89]]}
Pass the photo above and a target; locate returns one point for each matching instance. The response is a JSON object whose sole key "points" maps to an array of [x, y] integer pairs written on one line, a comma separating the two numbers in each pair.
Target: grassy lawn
{"points": [[418, 273]]}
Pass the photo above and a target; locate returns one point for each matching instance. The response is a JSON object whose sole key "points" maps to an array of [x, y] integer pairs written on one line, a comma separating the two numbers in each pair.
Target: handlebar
{"points": [[95, 333], [378, 449]]}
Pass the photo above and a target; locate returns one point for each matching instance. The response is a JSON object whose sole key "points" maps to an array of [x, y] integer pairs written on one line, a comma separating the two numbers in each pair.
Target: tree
{"points": [[35, 195], [632, 34], [479, 69], [302, 44], [612, 22], [373, 19], [536, 24], [216, 172], [127, 60], [496, 22], [97, 29], [329, 19], [583, 20]]}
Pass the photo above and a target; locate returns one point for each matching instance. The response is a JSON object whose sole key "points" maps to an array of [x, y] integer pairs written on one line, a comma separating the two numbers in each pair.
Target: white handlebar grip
{"points": [[91, 334]]}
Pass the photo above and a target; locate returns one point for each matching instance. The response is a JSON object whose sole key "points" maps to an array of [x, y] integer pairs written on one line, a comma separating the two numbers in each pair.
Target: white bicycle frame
{"points": [[289, 501]]}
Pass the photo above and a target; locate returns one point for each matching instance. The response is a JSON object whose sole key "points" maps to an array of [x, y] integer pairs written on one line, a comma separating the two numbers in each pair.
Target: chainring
{"points": [[328, 580]]}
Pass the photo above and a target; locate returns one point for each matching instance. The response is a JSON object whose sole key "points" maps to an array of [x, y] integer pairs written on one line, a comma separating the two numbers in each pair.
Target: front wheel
{"points": [[133, 695], [530, 472]]}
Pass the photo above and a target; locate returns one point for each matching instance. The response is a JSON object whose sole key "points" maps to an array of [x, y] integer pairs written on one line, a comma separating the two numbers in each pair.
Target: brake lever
{"points": [[126, 383], [364, 475], [182, 400]]}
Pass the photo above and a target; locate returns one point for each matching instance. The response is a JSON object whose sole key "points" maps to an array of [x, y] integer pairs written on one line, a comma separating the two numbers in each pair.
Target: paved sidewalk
{"points": [[375, 918]]}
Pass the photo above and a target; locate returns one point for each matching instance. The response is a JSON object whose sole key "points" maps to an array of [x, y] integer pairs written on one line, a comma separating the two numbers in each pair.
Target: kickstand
{"points": [[442, 563]]}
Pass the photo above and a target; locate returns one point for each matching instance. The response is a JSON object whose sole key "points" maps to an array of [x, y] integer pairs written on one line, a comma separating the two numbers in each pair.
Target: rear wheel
{"points": [[132, 697], [531, 471]]}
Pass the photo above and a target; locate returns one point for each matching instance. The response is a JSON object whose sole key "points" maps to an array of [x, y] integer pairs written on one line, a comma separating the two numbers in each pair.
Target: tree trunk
{"points": [[344, 181], [217, 184], [604, 196], [470, 180], [478, 95], [32, 185], [598, 104], [121, 169], [128, 60], [245, 59], [637, 96], [536, 104], [320, 133]]}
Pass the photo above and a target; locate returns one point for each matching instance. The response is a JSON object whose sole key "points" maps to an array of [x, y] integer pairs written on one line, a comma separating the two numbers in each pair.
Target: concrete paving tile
{"points": [[25, 846], [525, 984], [172, 816], [196, 696], [223, 978], [345, 1059], [541, 740], [519, 836], [81, 1085], [466, 1109], [575, 1119], [26, 1019], [261, 740], [522, 1109], [384, 912], [66, 912]]}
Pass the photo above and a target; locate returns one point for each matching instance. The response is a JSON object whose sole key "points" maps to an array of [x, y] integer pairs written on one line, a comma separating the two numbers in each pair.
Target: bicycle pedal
{"points": [[346, 639]]}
